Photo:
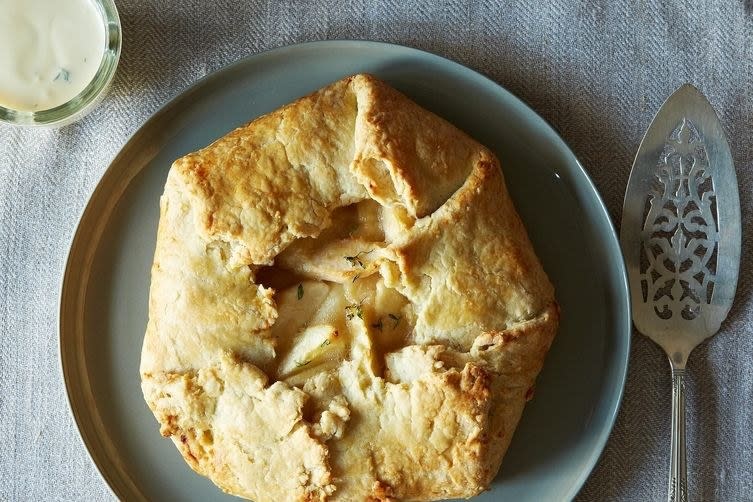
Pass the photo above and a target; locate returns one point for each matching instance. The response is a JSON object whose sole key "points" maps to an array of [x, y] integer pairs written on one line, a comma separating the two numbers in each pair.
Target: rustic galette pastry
{"points": [[344, 305]]}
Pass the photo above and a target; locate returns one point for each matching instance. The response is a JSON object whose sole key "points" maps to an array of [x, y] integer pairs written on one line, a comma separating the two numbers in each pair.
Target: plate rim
{"points": [[623, 335]]}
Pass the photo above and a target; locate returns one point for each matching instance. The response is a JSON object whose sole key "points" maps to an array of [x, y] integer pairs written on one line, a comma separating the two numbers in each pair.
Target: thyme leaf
{"points": [[356, 260], [395, 320], [353, 310], [300, 291], [378, 325], [63, 74], [300, 364]]}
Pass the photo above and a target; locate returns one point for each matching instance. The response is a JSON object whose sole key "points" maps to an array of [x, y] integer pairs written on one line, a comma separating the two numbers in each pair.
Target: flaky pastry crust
{"points": [[344, 305]]}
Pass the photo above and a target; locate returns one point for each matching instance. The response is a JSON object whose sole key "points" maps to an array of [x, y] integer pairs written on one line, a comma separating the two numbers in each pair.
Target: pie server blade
{"points": [[680, 236]]}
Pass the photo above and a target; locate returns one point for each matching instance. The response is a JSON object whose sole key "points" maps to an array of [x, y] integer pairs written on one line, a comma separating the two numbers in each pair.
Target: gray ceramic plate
{"points": [[103, 309]]}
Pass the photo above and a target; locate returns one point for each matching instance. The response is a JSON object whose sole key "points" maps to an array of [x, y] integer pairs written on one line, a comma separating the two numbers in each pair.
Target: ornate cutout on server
{"points": [[681, 237]]}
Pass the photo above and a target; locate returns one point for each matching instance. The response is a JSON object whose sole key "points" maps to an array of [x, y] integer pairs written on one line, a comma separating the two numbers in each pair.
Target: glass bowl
{"points": [[93, 93]]}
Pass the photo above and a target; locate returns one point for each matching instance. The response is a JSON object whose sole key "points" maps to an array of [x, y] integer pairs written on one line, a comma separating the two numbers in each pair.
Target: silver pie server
{"points": [[680, 236]]}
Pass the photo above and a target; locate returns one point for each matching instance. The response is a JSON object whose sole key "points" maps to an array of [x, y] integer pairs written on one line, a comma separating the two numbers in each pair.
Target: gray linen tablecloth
{"points": [[596, 70]]}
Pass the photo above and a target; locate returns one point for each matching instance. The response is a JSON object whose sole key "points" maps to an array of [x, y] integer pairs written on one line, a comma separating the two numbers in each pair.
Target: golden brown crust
{"points": [[389, 352]]}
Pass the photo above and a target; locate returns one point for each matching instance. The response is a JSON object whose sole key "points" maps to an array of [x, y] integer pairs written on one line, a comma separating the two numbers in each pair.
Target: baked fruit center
{"points": [[332, 300]]}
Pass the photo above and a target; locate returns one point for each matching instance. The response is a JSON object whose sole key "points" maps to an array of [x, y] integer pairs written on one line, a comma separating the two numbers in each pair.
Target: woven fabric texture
{"points": [[596, 70]]}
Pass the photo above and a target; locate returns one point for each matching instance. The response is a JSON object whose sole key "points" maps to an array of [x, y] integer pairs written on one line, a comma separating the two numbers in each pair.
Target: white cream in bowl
{"points": [[50, 50]]}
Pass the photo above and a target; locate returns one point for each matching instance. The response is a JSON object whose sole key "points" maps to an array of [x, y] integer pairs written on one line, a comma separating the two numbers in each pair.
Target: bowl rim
{"points": [[83, 102]]}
